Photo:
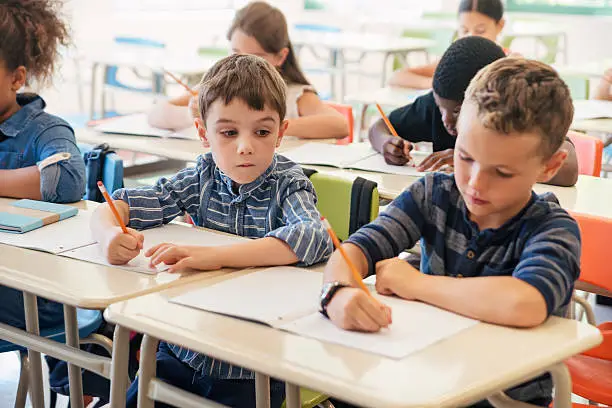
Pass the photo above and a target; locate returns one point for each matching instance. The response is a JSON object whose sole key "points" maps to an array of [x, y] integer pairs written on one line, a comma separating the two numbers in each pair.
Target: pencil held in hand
{"points": [[386, 120], [184, 85], [111, 204]]}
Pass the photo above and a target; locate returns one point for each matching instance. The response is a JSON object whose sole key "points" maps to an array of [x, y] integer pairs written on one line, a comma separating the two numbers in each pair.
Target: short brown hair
{"points": [[521, 95], [247, 77], [30, 33]]}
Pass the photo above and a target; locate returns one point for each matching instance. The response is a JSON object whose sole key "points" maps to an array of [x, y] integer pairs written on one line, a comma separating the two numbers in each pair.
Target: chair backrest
{"points": [[112, 171], [347, 112], [578, 85], [347, 203], [589, 150], [595, 266], [110, 77]]}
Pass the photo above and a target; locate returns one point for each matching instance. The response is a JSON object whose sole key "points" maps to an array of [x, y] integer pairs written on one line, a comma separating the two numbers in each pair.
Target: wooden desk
{"points": [[75, 284], [593, 125], [472, 365]]}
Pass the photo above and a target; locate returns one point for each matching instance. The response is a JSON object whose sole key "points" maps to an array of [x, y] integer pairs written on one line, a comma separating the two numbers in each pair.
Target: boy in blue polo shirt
{"points": [[492, 249]]}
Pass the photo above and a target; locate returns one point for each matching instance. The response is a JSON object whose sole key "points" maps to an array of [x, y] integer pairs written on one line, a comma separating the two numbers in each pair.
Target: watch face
{"points": [[326, 289]]}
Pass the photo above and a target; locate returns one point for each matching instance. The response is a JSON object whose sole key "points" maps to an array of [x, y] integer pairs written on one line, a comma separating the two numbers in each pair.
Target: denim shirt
{"points": [[31, 135]]}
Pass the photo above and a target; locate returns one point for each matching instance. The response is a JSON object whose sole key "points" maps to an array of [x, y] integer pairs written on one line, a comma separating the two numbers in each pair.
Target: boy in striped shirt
{"points": [[241, 187], [492, 249]]}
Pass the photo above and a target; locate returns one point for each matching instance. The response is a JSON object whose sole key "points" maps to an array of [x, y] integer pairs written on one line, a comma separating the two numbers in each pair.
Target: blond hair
{"points": [[520, 95]]}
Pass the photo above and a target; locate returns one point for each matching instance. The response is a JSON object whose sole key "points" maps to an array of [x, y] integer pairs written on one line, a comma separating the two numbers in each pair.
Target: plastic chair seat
{"points": [[591, 378], [309, 399], [88, 321]]}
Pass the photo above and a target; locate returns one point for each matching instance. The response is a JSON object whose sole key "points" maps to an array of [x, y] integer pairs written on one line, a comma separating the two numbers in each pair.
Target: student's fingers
{"points": [[169, 256], [181, 265], [127, 241], [376, 311], [121, 256], [362, 321], [408, 147], [138, 236], [440, 163], [155, 248], [158, 251], [436, 160], [393, 152], [428, 161]]}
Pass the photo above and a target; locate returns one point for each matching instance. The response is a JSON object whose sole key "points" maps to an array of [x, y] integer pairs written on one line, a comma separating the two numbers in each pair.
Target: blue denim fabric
{"points": [[30, 136]]}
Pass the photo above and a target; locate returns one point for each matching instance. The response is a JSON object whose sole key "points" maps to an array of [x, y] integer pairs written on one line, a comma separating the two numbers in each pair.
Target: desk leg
{"points": [[292, 396], [119, 367], [74, 372], [384, 69], [262, 391], [148, 370], [563, 386], [36, 381]]}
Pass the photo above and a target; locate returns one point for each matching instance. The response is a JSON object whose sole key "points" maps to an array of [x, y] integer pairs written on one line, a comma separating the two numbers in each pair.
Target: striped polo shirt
{"points": [[540, 246], [280, 203]]}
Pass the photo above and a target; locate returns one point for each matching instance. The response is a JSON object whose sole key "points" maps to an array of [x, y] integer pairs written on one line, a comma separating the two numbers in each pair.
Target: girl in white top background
{"points": [[261, 29]]}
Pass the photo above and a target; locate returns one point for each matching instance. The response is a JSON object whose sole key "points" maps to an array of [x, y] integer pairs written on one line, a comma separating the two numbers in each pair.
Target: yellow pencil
{"points": [[112, 207], [178, 81]]}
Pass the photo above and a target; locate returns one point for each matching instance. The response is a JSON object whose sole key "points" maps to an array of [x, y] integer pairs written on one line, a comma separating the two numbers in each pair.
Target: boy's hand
{"points": [[183, 257], [353, 309], [608, 76], [396, 151], [120, 248], [397, 277], [438, 161]]}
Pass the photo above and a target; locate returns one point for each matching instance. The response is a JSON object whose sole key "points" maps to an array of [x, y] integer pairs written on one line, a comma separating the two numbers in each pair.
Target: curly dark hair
{"points": [[30, 33]]}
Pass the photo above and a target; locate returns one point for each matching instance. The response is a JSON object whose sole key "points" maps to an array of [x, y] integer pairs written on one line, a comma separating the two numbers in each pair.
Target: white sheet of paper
{"points": [[171, 233], [415, 327], [137, 124], [376, 163], [329, 155], [592, 109], [272, 296], [54, 238]]}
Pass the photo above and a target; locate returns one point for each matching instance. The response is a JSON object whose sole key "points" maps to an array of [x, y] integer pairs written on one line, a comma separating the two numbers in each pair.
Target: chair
{"points": [[112, 172], [348, 204], [347, 112], [442, 37], [591, 371], [89, 321], [578, 85], [589, 151], [111, 79]]}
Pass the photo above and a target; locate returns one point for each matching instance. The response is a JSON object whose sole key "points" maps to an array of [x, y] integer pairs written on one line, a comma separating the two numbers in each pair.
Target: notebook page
{"points": [[54, 238], [376, 163], [591, 109], [271, 296], [137, 124], [328, 154], [171, 233], [415, 327]]}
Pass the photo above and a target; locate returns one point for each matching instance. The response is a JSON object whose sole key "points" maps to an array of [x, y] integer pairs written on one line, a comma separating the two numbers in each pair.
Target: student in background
{"points": [[261, 29], [604, 89], [39, 158], [483, 18], [492, 249], [241, 187], [433, 117]]}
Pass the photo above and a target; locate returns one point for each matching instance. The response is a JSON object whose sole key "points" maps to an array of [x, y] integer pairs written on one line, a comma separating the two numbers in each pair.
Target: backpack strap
{"points": [[361, 203], [94, 169]]}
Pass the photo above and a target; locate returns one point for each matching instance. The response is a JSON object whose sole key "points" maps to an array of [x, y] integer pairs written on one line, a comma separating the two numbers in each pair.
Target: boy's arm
{"points": [[541, 284], [417, 77], [20, 183], [568, 173], [603, 89], [317, 120], [171, 114]]}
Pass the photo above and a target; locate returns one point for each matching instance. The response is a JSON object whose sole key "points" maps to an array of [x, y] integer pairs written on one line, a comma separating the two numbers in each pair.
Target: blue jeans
{"points": [[50, 314], [232, 393]]}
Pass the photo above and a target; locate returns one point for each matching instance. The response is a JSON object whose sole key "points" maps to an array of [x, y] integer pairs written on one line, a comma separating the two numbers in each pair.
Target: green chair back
{"points": [[442, 38], [578, 85]]}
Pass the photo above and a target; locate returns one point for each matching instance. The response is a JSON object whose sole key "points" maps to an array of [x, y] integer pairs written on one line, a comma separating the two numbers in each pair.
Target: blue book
{"points": [[26, 215]]}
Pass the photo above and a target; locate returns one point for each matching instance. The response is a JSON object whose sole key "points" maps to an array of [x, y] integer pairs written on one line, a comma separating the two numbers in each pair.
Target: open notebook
{"points": [[171, 233], [287, 298], [137, 124], [592, 109], [359, 156]]}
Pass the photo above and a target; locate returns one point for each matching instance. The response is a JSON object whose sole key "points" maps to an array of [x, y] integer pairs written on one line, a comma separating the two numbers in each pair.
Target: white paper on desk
{"points": [[324, 154], [592, 109], [415, 327], [137, 124], [54, 238], [171, 233], [271, 296], [376, 163]]}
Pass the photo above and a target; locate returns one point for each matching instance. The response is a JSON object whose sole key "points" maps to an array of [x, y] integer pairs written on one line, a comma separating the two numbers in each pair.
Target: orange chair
{"points": [[589, 150], [347, 112], [591, 371]]}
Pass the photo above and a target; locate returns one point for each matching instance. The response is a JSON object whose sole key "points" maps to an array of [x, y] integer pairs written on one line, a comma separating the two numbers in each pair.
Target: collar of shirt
{"points": [[30, 104], [245, 190]]}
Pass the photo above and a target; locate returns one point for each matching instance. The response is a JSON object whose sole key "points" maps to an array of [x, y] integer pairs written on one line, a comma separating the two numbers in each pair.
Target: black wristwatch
{"points": [[327, 293]]}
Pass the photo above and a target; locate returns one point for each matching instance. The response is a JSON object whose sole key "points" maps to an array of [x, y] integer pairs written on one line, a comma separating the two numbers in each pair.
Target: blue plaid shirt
{"points": [[280, 203], [540, 246]]}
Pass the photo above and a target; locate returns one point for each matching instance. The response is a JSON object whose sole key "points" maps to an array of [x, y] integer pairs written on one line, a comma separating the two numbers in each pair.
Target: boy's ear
{"points": [[201, 128], [552, 166], [281, 132], [500, 25], [19, 78]]}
